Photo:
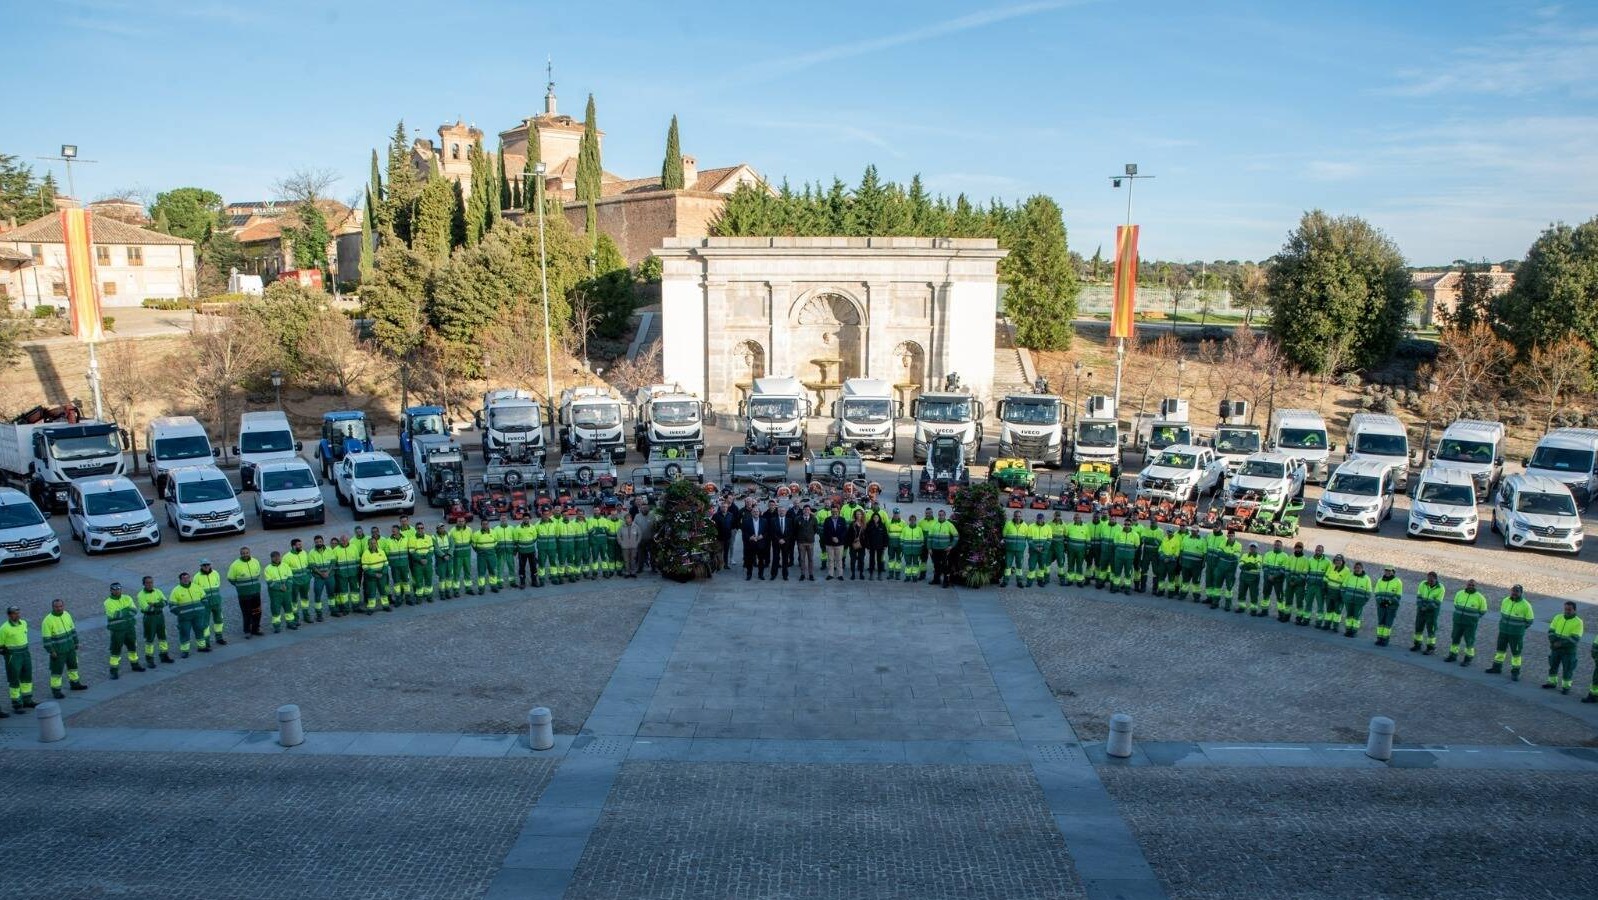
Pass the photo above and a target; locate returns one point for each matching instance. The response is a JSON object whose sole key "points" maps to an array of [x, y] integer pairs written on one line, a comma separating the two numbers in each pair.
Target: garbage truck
{"points": [[45, 448], [667, 416], [592, 417], [863, 418], [778, 413]]}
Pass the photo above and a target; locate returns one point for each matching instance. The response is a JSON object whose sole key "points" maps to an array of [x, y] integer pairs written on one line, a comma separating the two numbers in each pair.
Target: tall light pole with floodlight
{"points": [[1130, 176], [543, 278]]}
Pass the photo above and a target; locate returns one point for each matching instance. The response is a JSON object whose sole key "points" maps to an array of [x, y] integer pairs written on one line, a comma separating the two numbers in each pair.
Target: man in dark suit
{"points": [[782, 536], [757, 545], [726, 520]]}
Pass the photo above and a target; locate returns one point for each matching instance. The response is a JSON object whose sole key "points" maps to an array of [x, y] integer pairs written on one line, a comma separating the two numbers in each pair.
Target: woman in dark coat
{"points": [[876, 541], [857, 546]]}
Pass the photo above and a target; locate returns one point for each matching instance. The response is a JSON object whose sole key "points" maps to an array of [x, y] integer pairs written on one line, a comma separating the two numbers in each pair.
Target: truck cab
{"points": [[263, 437], [1476, 448], [1569, 456], [1096, 436], [1302, 433], [1167, 428], [947, 413], [417, 422], [1235, 440], [1030, 428], [343, 432], [668, 417], [175, 442], [778, 411], [1380, 437], [47, 448], [863, 418], [592, 416], [512, 423]]}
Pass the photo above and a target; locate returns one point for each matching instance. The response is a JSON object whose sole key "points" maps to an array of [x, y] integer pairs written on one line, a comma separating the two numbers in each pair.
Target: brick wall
{"points": [[639, 222]]}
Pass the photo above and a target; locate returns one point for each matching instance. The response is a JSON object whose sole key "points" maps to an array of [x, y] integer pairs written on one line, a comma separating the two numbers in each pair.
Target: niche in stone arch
{"points": [[826, 337]]}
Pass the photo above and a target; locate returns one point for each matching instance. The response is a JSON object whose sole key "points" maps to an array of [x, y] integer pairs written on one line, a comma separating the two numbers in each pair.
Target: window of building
{"points": [[5, 289], [135, 256], [58, 288], [102, 256], [38, 255], [454, 151], [108, 288]]}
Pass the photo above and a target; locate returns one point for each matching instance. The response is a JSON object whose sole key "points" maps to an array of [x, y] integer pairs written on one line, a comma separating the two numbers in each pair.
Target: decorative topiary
{"points": [[978, 556], [686, 546]]}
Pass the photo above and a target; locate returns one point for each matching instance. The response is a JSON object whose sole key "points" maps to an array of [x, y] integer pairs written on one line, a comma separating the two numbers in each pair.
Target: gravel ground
{"points": [[1216, 833], [1200, 675], [673, 830], [444, 670], [212, 826]]}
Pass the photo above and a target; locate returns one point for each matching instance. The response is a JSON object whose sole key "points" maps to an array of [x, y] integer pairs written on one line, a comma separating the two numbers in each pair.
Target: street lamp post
{"points": [[543, 280], [1181, 366], [277, 387], [1130, 176]]}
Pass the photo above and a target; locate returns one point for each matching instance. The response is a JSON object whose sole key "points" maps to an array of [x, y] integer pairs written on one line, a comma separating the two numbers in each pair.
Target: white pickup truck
{"points": [[1181, 472]]}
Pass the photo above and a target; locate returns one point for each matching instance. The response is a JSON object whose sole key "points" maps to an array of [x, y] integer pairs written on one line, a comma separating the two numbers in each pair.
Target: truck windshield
{"points": [[1166, 435], [944, 410], [513, 418], [287, 480], [354, 428], [376, 468], [676, 412], [86, 447], [208, 491], [266, 441], [1303, 438], [866, 411], [1562, 459], [1263, 468], [1096, 434], [1446, 494], [598, 416], [1237, 440], [1545, 504], [1348, 483], [1032, 412], [1177, 461], [429, 424], [1381, 444], [19, 515], [1456, 450], [188, 447], [774, 408], [111, 503]]}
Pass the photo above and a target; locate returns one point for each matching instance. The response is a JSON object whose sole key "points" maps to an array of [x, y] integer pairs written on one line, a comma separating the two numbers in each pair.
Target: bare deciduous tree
{"points": [[333, 357], [1556, 374], [1470, 367], [218, 362], [631, 374], [305, 185], [126, 381], [1161, 355]]}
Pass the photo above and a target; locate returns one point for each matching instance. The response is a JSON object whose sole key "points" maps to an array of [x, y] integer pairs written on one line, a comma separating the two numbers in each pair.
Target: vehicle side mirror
{"points": [[477, 420], [1124, 439], [298, 446], [149, 458], [234, 450], [1498, 461], [1331, 448], [216, 452], [45, 511], [1524, 462], [124, 438], [1431, 454]]}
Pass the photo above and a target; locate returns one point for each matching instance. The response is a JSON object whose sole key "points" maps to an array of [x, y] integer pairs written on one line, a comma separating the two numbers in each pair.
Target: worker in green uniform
{"points": [[1194, 550], [1514, 617], [19, 660], [547, 532], [151, 603], [461, 542], [299, 563], [1314, 608], [210, 581], [598, 546], [1564, 635], [60, 636], [1249, 567], [913, 543], [1331, 605], [505, 550], [322, 561], [485, 548], [1078, 543], [188, 605], [1103, 550], [279, 577], [895, 554], [396, 547], [526, 535], [348, 596], [245, 576], [1015, 541], [1389, 592], [1355, 594], [573, 537], [1428, 602], [1123, 561], [1039, 538], [1469, 606], [1214, 545], [374, 575], [1297, 580], [1592, 691], [1170, 564], [443, 560], [420, 547], [1273, 566], [119, 615], [1150, 536], [1231, 552], [1057, 528]]}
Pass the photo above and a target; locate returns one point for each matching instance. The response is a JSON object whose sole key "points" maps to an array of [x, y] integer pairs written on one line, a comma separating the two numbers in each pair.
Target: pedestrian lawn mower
{"points": [[1012, 473], [945, 471], [1092, 477]]}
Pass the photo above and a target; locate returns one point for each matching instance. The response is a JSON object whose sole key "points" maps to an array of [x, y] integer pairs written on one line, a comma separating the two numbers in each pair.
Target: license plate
{"points": [[295, 514]]}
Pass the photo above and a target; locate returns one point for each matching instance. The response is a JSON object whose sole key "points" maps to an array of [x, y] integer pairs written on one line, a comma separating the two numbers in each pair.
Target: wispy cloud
{"points": [[788, 65], [1548, 57], [831, 131], [105, 26], [1332, 170]]}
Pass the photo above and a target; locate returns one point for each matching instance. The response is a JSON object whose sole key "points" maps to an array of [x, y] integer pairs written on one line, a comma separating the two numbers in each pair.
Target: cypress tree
{"points": [[433, 220], [475, 214], [368, 234], [404, 187], [530, 190], [589, 170], [375, 213], [671, 173], [501, 184], [458, 227]]}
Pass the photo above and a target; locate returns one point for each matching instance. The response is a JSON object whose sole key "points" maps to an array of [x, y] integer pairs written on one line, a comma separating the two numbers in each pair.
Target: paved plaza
{"points": [[735, 739]]}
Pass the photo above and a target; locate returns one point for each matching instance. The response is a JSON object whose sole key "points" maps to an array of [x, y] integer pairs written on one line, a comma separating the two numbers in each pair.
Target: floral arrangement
{"points": [[978, 556], [685, 542]]}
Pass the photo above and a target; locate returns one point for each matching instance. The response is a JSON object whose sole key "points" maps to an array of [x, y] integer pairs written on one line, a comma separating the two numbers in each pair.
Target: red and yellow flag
{"points": [[1124, 308], [83, 293]]}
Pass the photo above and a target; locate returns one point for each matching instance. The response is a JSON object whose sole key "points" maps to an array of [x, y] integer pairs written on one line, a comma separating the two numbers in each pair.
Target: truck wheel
{"points": [[585, 475], [356, 511], [672, 471], [838, 470]]}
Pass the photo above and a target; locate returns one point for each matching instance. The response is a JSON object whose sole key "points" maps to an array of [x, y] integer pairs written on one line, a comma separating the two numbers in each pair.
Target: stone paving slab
{"points": [[1185, 672], [774, 830], [432, 669], [1223, 834], [211, 827]]}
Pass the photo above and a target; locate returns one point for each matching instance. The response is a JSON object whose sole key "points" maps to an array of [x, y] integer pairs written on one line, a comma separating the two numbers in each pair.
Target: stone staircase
{"points": [[648, 332], [1009, 371]]}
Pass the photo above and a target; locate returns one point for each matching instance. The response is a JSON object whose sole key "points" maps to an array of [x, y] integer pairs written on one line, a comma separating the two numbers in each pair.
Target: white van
{"points": [[1568, 456], [199, 500], [172, 442], [1302, 433], [1537, 512], [108, 514], [25, 537], [1444, 505], [286, 491], [1359, 494], [1476, 448], [1380, 437], [263, 437]]}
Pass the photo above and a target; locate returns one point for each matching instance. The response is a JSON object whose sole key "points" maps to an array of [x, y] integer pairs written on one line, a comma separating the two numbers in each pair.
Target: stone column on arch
{"points": [[937, 341], [718, 387], [779, 346], [879, 343]]}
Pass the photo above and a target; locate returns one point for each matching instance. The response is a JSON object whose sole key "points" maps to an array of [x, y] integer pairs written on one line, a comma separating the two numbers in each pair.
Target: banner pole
{"points": [[94, 382]]}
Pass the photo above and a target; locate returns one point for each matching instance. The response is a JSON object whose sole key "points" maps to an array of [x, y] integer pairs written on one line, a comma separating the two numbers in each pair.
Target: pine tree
{"points": [[921, 209], [434, 216], [404, 187], [671, 171], [160, 224], [1042, 283], [475, 212], [589, 170]]}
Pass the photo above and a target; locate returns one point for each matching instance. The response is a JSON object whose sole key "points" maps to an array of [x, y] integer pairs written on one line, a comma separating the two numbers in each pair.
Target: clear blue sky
{"points": [[1460, 127]]}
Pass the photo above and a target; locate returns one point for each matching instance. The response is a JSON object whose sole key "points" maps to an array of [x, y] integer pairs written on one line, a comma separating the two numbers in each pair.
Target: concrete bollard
{"points": [[540, 728], [1379, 745], [290, 731], [1120, 743], [50, 727]]}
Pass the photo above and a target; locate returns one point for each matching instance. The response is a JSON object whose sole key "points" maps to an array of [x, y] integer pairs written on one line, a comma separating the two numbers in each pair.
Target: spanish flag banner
{"points": [[1124, 308], [82, 293]]}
